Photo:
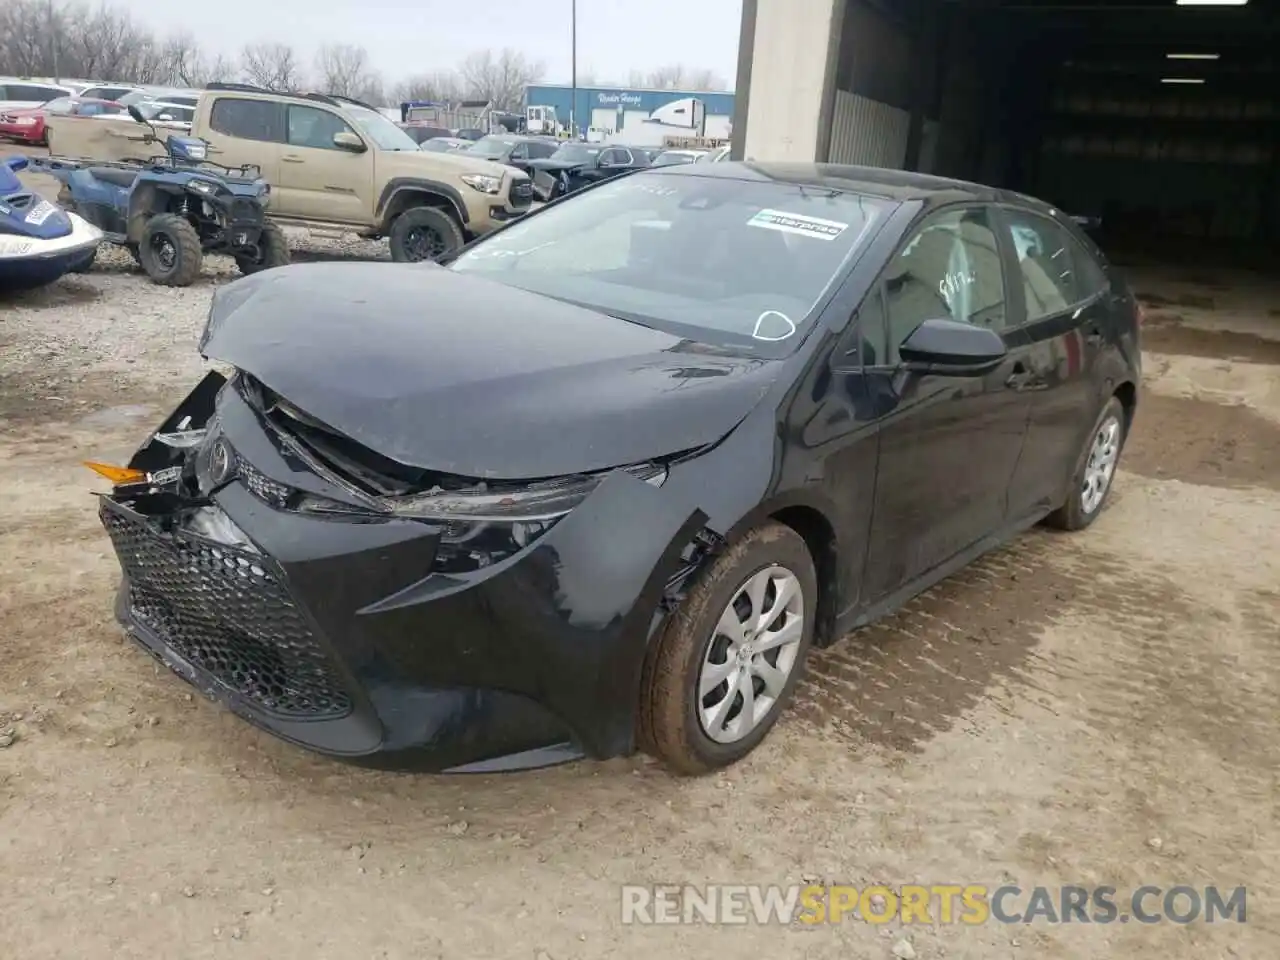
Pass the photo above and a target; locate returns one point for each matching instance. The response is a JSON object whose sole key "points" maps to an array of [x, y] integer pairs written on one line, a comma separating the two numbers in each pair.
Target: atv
{"points": [[171, 210]]}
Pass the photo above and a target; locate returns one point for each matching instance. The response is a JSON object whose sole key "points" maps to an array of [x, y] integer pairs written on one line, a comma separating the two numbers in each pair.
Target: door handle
{"points": [[291, 159]]}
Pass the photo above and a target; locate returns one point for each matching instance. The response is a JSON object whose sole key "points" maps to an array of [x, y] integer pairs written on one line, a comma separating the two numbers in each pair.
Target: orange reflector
{"points": [[116, 474]]}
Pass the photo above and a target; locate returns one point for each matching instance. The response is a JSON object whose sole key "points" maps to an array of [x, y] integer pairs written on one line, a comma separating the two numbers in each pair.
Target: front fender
{"points": [[399, 186]]}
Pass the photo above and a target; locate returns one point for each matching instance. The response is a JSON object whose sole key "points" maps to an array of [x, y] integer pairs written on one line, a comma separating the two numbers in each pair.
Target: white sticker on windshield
{"points": [[772, 325], [795, 223]]}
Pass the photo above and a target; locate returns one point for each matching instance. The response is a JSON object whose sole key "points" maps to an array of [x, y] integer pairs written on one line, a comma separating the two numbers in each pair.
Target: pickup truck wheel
{"points": [[170, 251], [423, 233], [728, 660], [273, 251]]}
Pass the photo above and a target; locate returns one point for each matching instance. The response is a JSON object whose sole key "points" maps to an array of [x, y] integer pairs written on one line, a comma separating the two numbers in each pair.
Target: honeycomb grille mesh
{"points": [[224, 612]]}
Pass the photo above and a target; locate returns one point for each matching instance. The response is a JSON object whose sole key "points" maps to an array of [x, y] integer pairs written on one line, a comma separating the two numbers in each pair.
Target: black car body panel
{"points": [[368, 641], [449, 365]]}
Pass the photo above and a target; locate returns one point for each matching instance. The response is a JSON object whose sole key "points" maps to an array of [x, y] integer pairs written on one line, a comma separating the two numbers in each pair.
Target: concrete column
{"points": [[786, 79]]}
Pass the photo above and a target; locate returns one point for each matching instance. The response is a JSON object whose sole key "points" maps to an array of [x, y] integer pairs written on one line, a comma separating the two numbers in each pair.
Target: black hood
{"points": [[457, 374], [551, 166]]}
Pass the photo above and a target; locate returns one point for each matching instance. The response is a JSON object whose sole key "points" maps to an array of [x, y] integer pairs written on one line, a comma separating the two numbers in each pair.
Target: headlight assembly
{"points": [[482, 182], [206, 187]]}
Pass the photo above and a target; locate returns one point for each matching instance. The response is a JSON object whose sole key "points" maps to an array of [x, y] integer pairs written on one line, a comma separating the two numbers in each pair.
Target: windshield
{"points": [[730, 262], [380, 130], [492, 147], [575, 153]]}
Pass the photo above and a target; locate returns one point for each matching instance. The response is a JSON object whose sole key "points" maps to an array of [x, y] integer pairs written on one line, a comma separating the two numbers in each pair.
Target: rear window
{"points": [[32, 92], [247, 119]]}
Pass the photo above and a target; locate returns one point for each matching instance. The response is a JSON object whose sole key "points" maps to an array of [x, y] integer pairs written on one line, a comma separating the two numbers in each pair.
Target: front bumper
{"points": [[25, 134], [336, 635]]}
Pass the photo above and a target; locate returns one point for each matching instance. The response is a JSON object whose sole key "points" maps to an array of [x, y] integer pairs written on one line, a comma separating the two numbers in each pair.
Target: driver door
{"points": [[948, 444], [318, 179]]}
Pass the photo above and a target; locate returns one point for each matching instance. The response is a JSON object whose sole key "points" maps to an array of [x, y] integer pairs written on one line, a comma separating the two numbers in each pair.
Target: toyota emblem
{"points": [[222, 463]]}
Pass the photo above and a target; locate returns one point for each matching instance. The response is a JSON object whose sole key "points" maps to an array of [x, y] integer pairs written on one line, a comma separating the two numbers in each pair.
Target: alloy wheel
{"points": [[425, 244], [1101, 466], [751, 654]]}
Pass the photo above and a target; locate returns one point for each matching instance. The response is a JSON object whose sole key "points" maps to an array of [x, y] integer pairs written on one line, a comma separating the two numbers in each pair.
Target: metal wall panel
{"points": [[867, 132]]}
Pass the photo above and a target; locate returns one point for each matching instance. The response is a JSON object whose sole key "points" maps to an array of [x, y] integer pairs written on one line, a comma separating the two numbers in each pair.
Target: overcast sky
{"points": [[420, 36]]}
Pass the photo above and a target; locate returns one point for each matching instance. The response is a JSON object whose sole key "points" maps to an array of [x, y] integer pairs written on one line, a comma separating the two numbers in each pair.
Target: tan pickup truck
{"points": [[335, 165]]}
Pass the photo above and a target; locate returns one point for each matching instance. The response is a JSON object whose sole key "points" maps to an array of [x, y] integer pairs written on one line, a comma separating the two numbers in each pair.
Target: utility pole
{"points": [[573, 69], [54, 43]]}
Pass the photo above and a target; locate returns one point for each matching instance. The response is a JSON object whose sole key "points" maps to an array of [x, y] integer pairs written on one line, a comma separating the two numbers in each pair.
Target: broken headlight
{"points": [[482, 526]]}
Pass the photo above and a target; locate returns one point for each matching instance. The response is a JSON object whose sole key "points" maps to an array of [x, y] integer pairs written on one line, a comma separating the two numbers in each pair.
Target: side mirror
{"points": [[952, 348], [346, 140], [137, 114]]}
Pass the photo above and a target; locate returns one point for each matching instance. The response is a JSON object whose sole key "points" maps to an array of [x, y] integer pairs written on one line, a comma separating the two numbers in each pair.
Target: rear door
{"points": [[1063, 312], [242, 130], [949, 445], [318, 179]]}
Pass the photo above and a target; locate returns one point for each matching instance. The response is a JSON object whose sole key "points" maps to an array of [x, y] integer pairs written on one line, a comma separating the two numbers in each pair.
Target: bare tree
{"points": [[344, 70], [499, 79], [271, 65], [443, 86]]}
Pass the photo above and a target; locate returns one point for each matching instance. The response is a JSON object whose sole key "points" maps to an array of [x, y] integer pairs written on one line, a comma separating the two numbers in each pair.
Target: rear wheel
{"points": [[1094, 471], [424, 233], [169, 251], [728, 660], [273, 251]]}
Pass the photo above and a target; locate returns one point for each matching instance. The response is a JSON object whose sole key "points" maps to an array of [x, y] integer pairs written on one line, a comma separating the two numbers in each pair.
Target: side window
{"points": [[871, 329], [314, 128], [520, 151], [540, 151], [246, 119], [1091, 278], [950, 269], [61, 105], [1045, 263], [44, 94]]}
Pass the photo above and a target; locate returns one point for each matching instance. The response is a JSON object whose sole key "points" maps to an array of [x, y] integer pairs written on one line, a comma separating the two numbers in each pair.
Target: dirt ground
{"points": [[1101, 708]]}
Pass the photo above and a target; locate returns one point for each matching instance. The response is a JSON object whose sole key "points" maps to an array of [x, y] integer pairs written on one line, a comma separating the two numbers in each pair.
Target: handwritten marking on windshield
{"points": [[761, 320], [501, 252]]}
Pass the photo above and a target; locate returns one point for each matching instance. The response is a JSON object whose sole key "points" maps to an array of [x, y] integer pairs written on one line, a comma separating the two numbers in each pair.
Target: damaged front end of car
{"points": [[385, 613]]}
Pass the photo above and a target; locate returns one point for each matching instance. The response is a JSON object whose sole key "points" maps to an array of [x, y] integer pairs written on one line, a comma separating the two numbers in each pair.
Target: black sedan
{"points": [[577, 165], [601, 481], [513, 150]]}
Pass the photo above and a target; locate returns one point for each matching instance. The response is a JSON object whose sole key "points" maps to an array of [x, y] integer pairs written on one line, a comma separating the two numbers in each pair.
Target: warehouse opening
{"points": [[1158, 117]]}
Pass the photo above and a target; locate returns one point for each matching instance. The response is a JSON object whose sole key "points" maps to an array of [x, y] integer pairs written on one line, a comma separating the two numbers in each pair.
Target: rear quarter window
{"points": [[247, 119]]}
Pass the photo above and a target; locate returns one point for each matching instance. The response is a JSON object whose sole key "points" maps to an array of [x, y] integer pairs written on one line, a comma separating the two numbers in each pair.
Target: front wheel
{"points": [[1094, 472], [728, 661], [424, 233], [169, 251], [273, 251]]}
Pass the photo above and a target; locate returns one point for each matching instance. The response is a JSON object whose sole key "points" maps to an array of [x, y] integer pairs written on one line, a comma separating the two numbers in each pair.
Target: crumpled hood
{"points": [[458, 374], [552, 166]]}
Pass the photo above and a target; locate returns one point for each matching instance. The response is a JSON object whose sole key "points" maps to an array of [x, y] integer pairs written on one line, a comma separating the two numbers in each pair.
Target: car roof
{"points": [[873, 181]]}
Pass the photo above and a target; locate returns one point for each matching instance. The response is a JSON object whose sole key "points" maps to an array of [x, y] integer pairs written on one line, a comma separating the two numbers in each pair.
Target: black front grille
{"points": [[522, 193], [222, 610], [245, 211]]}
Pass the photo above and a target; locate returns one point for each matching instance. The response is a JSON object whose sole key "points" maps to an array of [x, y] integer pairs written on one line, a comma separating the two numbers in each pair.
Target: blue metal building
{"points": [[613, 108]]}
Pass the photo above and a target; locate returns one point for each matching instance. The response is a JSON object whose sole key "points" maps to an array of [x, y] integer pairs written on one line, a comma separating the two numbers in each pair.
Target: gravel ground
{"points": [[1099, 708]]}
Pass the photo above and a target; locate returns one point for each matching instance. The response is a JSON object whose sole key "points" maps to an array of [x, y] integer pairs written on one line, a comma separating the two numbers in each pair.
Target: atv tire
{"points": [[424, 233], [169, 251], [273, 251]]}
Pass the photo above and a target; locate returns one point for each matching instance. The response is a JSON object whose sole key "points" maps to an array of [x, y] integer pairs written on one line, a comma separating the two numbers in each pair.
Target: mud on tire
{"points": [[669, 726], [273, 251], [169, 251]]}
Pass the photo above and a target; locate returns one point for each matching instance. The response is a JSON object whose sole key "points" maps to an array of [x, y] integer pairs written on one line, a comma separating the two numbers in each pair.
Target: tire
{"points": [[182, 267], [273, 251], [408, 244], [65, 200], [671, 724], [1084, 504]]}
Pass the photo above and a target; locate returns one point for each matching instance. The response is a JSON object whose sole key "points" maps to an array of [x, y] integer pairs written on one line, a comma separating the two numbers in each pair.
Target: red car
{"points": [[27, 126]]}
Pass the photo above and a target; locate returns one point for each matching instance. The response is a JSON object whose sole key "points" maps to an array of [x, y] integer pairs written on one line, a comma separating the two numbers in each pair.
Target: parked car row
{"points": [[25, 120]]}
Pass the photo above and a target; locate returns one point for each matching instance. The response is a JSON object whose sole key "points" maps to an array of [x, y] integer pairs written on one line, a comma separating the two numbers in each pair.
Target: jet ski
{"points": [[39, 241]]}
